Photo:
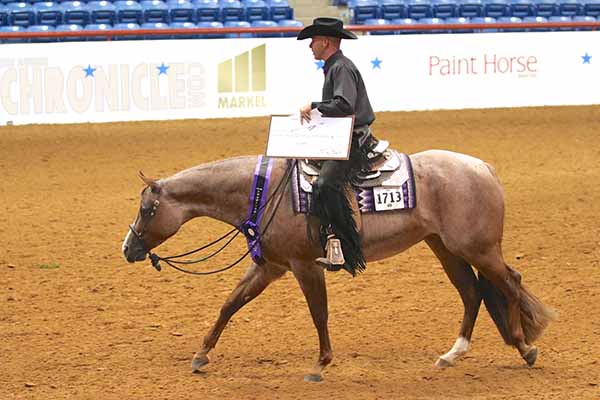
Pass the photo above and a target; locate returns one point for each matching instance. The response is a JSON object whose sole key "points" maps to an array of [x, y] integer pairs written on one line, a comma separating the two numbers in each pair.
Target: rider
{"points": [[344, 94]]}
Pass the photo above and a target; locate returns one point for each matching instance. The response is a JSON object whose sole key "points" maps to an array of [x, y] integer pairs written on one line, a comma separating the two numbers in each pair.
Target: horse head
{"points": [[157, 220]]}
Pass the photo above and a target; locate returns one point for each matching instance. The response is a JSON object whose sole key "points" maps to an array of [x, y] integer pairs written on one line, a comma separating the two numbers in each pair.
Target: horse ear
{"points": [[149, 182]]}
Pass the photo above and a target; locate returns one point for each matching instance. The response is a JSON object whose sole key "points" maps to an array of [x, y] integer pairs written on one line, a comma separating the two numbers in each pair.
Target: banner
{"points": [[221, 78]]}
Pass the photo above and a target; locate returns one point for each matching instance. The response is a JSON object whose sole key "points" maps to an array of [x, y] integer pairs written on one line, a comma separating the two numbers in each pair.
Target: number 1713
{"points": [[389, 197]]}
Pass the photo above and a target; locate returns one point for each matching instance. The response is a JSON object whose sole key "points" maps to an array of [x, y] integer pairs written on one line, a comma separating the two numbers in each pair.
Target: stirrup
{"points": [[335, 255]]}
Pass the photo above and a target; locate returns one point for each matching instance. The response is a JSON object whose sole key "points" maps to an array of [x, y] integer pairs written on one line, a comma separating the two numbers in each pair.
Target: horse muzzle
{"points": [[133, 256]]}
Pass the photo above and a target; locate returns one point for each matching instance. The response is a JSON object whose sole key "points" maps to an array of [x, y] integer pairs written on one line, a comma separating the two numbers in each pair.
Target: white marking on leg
{"points": [[459, 349]]}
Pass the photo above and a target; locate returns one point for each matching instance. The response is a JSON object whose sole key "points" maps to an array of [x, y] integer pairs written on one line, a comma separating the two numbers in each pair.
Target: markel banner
{"points": [[222, 78]]}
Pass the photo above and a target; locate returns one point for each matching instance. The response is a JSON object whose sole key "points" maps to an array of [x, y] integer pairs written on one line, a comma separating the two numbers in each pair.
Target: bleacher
{"points": [[437, 12], [132, 15], [103, 15]]}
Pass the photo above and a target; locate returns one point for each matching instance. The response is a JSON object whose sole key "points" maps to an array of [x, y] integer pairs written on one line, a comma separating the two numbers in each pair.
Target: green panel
{"points": [[242, 72], [259, 69], [225, 77]]}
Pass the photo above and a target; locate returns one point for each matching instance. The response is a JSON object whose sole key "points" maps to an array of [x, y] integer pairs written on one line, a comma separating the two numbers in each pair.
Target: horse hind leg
{"points": [[463, 278], [519, 316]]}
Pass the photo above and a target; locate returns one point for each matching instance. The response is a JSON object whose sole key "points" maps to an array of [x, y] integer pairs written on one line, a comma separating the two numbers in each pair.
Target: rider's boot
{"points": [[334, 256]]}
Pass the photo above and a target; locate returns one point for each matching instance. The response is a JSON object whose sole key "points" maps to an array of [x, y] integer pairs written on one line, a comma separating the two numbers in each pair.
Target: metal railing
{"points": [[364, 29]]}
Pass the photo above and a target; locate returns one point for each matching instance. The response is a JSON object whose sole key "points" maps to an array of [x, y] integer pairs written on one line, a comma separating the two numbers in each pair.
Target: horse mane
{"points": [[205, 166]]}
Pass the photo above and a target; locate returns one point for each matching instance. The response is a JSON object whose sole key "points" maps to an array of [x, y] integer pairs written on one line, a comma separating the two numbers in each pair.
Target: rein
{"points": [[172, 260]]}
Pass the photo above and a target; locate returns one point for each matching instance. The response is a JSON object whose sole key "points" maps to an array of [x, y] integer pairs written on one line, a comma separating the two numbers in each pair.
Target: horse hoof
{"points": [[531, 356], [199, 362], [313, 378], [441, 363]]}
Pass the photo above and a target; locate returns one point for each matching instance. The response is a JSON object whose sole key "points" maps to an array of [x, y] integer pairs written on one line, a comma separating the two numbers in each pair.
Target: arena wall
{"points": [[178, 79]]}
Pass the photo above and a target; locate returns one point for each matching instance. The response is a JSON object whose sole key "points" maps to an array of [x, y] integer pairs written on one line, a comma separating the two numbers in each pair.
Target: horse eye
{"points": [[145, 211]]}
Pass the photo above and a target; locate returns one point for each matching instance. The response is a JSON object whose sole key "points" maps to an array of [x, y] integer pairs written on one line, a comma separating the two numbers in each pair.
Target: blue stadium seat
{"points": [[155, 26], [129, 12], [591, 8], [183, 25], [41, 28], [444, 8], [431, 21], [11, 28], [570, 8], [560, 18], [47, 13], [280, 9], [154, 11], [75, 12], [583, 18], [102, 12], [510, 20], [3, 15], [265, 24], [404, 21], [238, 24], [458, 20], [522, 8], [70, 28], [496, 8], [181, 11], [127, 26], [378, 21], [536, 20], [470, 8], [97, 27], [207, 10], [417, 9], [364, 9], [288, 23], [216, 25], [484, 20], [392, 9], [231, 10], [256, 10], [546, 8], [20, 14]]}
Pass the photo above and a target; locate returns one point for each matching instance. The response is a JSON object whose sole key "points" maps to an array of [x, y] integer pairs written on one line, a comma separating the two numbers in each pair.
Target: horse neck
{"points": [[217, 190]]}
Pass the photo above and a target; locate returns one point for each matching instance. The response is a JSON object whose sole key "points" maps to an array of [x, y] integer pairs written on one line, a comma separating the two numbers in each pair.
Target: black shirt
{"points": [[344, 91]]}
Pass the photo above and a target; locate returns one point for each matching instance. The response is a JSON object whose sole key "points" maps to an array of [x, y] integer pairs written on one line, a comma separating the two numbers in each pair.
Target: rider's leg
{"points": [[335, 213]]}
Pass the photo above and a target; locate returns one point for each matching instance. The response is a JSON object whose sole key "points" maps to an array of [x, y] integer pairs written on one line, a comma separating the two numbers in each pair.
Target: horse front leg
{"points": [[256, 279], [312, 282]]}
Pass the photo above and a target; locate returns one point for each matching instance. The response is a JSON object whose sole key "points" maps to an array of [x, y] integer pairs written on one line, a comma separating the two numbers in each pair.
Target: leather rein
{"points": [[173, 261]]}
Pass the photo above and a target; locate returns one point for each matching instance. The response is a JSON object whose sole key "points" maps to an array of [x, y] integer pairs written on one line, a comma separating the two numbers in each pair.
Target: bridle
{"points": [[155, 259]]}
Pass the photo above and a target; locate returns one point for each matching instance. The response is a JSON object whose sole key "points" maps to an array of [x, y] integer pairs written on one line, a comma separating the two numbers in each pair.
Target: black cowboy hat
{"points": [[324, 26]]}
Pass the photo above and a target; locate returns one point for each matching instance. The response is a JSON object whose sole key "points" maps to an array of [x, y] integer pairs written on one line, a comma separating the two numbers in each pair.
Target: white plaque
{"points": [[388, 198], [323, 138]]}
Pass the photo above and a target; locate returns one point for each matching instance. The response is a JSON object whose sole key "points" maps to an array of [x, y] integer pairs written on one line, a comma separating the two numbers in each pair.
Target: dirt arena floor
{"points": [[78, 322]]}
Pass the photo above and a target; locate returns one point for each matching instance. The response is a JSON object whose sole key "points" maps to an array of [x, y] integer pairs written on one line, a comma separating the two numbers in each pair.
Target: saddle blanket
{"points": [[396, 192]]}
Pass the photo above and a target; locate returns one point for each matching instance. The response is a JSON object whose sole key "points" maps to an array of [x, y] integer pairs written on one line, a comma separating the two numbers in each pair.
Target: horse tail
{"points": [[535, 316]]}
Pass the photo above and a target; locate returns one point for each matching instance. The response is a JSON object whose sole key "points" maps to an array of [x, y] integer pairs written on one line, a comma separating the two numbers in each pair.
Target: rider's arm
{"points": [[344, 94]]}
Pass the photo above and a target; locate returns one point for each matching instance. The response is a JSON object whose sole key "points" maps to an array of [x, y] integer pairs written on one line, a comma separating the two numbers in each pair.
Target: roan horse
{"points": [[459, 214]]}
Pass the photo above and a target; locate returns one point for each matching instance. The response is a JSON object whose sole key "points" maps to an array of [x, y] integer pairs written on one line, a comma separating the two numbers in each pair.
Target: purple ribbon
{"points": [[258, 199]]}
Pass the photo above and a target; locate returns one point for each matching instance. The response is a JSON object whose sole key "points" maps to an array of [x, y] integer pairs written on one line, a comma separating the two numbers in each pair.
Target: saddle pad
{"points": [[396, 192]]}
